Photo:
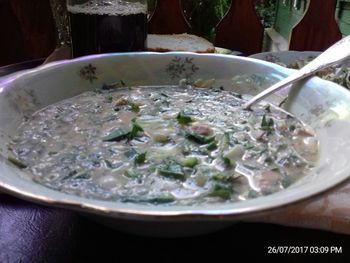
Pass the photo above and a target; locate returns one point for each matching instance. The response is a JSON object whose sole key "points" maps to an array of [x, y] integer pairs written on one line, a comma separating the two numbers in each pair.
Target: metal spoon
{"points": [[336, 53]]}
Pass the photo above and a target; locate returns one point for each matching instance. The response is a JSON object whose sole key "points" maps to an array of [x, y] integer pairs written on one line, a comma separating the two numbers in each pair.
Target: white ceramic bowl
{"points": [[286, 58], [323, 105]]}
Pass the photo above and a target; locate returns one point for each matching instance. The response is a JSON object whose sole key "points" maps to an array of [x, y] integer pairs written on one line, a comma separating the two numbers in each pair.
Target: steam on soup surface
{"points": [[164, 145]]}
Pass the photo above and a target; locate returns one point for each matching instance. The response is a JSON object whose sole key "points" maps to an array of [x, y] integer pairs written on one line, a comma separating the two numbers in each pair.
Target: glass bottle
{"points": [[107, 26]]}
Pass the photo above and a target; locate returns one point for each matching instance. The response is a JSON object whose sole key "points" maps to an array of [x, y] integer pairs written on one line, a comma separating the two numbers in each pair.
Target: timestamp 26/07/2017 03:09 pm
{"points": [[304, 250]]}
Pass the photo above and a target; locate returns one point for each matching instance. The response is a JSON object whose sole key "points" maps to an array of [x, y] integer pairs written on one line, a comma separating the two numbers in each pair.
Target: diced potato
{"points": [[200, 83], [159, 137], [111, 181], [235, 154], [267, 178], [281, 126], [311, 144], [201, 179]]}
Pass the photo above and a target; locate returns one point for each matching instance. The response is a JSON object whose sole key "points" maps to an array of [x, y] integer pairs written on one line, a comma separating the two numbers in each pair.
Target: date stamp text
{"points": [[304, 250]]}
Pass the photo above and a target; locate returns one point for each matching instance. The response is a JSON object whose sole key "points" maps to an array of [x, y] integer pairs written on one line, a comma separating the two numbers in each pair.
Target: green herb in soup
{"points": [[164, 145]]}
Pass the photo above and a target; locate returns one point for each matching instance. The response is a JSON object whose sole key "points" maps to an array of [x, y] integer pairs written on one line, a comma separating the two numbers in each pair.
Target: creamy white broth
{"points": [[167, 144]]}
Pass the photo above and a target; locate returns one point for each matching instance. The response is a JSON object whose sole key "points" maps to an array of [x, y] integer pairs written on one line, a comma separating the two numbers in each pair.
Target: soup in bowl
{"points": [[163, 137]]}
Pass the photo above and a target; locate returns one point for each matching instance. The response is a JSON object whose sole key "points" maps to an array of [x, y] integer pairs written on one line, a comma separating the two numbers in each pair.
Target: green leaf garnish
{"points": [[222, 178], [220, 190], [116, 135], [109, 99], [130, 174], [212, 146], [226, 140], [134, 107], [266, 124], [227, 162], [16, 162], [248, 145], [127, 103], [185, 149], [200, 139], [183, 119], [164, 95], [140, 158], [154, 200], [134, 130], [121, 134], [172, 170]]}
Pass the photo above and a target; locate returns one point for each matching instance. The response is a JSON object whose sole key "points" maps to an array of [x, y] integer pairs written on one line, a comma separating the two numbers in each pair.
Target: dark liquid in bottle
{"points": [[101, 33]]}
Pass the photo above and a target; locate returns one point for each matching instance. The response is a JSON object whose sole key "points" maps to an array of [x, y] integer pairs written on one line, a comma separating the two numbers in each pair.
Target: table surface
{"points": [[34, 233]]}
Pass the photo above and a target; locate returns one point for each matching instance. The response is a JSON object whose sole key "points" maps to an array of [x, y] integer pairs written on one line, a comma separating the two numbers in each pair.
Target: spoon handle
{"points": [[336, 53]]}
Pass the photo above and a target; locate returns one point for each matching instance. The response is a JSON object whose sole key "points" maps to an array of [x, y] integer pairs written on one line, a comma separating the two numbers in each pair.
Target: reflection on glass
{"points": [[60, 16]]}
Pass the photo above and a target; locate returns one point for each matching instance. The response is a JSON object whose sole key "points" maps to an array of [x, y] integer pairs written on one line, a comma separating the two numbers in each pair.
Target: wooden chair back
{"points": [[168, 18], [241, 28], [317, 30]]}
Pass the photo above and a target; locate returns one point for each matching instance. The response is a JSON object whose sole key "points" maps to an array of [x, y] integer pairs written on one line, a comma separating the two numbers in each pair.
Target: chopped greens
{"points": [[267, 124], [135, 129], [121, 133], [134, 107], [183, 119], [212, 146], [116, 135], [127, 104], [222, 178], [291, 127], [226, 140], [153, 201], [222, 191], [187, 146], [109, 99], [172, 170], [16, 162], [130, 174], [200, 139], [227, 162], [140, 158]]}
